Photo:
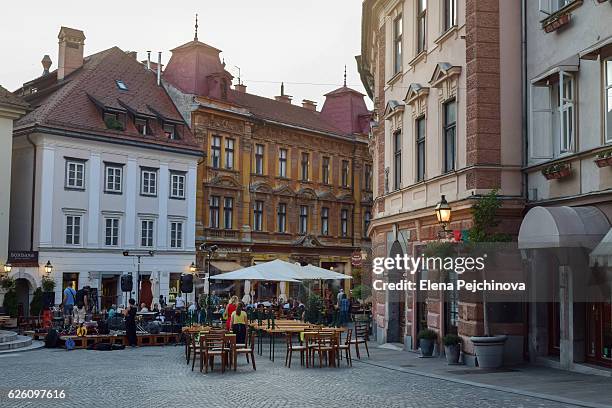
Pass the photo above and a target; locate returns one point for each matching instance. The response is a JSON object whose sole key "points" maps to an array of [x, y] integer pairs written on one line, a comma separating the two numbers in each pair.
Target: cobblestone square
{"points": [[159, 376]]}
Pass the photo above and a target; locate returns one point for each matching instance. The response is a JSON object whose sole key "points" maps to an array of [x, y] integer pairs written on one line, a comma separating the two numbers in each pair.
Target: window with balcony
{"points": [[213, 212], [324, 221], [282, 163], [282, 217], [228, 212], [259, 159], [303, 219], [420, 149], [397, 160], [229, 153], [397, 44], [215, 152], [450, 130], [258, 215]]}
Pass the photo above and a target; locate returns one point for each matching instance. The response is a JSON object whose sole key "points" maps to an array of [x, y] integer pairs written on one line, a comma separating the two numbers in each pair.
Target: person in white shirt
{"points": [[179, 302]]}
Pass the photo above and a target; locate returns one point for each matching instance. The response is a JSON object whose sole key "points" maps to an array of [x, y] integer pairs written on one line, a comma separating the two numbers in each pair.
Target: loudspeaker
{"points": [[186, 283], [126, 283]]}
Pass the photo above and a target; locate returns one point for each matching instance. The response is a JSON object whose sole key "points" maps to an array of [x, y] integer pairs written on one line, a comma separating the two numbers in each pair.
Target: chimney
{"points": [[282, 97], [310, 105], [240, 88], [46, 63], [70, 58]]}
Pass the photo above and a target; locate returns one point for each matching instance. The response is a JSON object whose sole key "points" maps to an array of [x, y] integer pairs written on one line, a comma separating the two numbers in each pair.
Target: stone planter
{"points": [[603, 162], [489, 350], [452, 354], [427, 347]]}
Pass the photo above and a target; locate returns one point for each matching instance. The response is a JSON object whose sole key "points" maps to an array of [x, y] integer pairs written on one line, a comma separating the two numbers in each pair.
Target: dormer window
{"points": [[121, 85], [170, 132], [113, 120], [141, 126]]}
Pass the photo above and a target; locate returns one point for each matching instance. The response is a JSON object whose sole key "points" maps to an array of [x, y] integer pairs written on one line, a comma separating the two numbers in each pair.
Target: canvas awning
{"points": [[562, 227], [277, 270], [225, 266], [602, 254]]}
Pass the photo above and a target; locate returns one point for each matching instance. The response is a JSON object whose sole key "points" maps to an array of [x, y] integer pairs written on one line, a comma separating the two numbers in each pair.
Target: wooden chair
{"points": [[247, 350], [346, 346], [294, 347], [195, 349], [361, 337], [311, 343], [325, 346], [213, 345]]}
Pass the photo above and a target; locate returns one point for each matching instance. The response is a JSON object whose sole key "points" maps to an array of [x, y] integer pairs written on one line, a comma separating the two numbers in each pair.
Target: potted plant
{"points": [[557, 171], [427, 339], [452, 348], [10, 306], [48, 287], [489, 349], [604, 159]]}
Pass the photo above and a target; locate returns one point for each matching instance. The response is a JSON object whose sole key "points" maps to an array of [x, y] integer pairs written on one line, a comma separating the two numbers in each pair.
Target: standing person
{"points": [[231, 308], [239, 322], [79, 313], [340, 294], [68, 302], [345, 306], [112, 311], [130, 322], [179, 302]]}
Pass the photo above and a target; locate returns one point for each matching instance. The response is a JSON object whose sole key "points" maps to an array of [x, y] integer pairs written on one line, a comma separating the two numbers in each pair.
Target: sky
{"points": [[304, 43]]}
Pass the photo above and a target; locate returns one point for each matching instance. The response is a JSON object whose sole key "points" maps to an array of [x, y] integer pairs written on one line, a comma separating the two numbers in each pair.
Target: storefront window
{"points": [[70, 279], [175, 283]]}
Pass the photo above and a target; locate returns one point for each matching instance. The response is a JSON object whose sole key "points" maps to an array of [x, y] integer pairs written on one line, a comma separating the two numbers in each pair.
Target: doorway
{"points": [[146, 294], [599, 333], [109, 291], [22, 288]]}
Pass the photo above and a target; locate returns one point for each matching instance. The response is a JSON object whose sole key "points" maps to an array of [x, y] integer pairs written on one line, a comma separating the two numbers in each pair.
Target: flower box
{"points": [[557, 171], [556, 23]]}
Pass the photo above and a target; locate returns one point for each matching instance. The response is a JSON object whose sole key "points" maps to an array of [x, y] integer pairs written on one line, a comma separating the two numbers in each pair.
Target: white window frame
{"points": [[567, 105], [176, 234], [449, 15], [151, 238], [177, 185], [115, 225], [75, 237], [550, 7], [79, 169], [607, 99], [110, 180], [151, 176], [398, 43]]}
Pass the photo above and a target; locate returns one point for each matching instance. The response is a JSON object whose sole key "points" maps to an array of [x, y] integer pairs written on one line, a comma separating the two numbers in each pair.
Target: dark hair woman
{"points": [[239, 323], [130, 323]]}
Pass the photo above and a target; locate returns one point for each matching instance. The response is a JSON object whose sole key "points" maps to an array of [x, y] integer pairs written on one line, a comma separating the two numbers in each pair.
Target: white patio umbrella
{"points": [[274, 271], [311, 272]]}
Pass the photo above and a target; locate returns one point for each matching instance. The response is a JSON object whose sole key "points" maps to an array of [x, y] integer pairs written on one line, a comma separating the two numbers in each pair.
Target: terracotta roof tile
{"points": [[8, 98], [69, 105]]}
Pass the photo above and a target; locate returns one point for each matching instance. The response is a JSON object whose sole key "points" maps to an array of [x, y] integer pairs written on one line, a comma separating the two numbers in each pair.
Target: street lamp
{"points": [[48, 268], [192, 267], [7, 268], [209, 249], [443, 213]]}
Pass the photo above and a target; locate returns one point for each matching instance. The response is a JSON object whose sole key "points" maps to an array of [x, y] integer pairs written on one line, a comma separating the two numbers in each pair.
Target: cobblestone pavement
{"points": [[159, 377]]}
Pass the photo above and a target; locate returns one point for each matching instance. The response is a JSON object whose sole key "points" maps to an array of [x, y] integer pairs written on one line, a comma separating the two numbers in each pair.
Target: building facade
{"points": [[103, 164], [569, 134], [445, 80], [280, 181]]}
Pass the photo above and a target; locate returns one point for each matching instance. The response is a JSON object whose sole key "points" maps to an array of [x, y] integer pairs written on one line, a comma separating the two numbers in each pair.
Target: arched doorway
{"points": [[22, 288]]}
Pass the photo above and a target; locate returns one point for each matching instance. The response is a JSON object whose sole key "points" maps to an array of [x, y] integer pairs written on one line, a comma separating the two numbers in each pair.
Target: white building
{"points": [[103, 164]]}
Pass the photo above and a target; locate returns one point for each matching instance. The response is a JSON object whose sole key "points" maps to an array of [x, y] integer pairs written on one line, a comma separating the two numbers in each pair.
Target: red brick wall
{"points": [[483, 92]]}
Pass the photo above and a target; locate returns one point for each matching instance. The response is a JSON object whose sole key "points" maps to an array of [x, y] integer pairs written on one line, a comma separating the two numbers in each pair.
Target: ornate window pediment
{"points": [[307, 193], [416, 97], [284, 190], [445, 78], [261, 187], [224, 181], [394, 114]]}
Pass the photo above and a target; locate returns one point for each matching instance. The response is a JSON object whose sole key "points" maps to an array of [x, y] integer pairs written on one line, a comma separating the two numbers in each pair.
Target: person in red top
{"points": [[231, 307]]}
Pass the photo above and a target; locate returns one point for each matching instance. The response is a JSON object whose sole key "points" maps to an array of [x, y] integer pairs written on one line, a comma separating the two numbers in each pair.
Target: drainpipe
{"points": [[33, 194], [525, 92]]}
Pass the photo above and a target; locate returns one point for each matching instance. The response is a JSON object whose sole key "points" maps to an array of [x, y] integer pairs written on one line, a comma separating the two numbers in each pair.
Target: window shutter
{"points": [[540, 133]]}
